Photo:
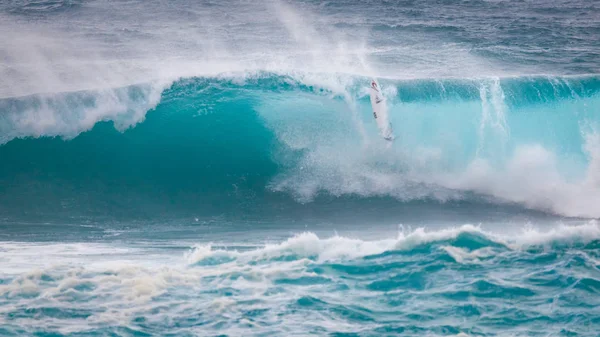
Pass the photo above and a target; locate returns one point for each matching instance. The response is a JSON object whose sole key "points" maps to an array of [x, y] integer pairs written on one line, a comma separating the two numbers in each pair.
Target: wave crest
{"points": [[462, 243]]}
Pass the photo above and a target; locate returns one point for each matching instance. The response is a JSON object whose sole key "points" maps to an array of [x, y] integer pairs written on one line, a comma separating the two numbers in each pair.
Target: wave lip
{"points": [[69, 114]]}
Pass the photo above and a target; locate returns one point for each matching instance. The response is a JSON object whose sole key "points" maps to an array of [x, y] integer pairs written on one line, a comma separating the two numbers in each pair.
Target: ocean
{"points": [[213, 168]]}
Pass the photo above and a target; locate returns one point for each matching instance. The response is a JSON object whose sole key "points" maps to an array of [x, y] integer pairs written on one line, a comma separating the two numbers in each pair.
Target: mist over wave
{"points": [[42, 52]]}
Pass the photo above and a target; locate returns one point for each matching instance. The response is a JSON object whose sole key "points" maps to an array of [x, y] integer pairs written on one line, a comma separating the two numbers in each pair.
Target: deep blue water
{"points": [[213, 168]]}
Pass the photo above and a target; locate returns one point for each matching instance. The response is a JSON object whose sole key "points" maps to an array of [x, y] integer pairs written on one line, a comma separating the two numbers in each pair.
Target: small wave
{"points": [[463, 243]]}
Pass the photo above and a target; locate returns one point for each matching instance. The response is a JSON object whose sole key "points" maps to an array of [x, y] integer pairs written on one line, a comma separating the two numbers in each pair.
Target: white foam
{"points": [[528, 174], [585, 232], [532, 178], [464, 256]]}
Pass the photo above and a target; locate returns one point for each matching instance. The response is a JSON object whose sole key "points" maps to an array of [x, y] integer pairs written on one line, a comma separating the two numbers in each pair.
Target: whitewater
{"points": [[214, 169]]}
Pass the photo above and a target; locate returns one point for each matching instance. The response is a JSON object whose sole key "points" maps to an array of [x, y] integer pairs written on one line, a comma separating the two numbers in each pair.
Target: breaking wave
{"points": [[530, 141]]}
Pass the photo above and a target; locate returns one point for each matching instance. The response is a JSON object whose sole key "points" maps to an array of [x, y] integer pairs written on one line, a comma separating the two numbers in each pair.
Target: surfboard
{"points": [[380, 112]]}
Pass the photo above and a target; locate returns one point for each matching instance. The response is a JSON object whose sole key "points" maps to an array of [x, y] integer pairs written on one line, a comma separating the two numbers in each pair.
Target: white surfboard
{"points": [[380, 112]]}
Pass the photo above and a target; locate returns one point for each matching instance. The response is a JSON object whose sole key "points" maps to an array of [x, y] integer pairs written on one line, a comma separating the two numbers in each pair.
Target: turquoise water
{"points": [[208, 169]]}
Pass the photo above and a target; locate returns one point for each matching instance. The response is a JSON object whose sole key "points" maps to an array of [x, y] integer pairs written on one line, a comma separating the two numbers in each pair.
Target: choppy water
{"points": [[461, 281], [200, 169]]}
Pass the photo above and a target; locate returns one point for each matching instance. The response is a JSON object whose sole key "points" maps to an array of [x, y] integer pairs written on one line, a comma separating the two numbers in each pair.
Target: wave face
{"points": [[462, 281], [214, 144]]}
